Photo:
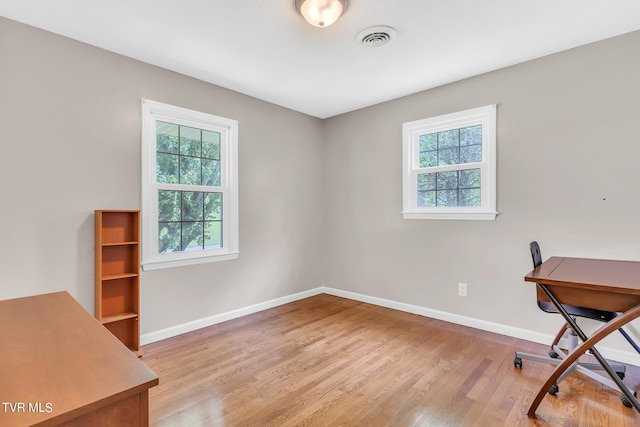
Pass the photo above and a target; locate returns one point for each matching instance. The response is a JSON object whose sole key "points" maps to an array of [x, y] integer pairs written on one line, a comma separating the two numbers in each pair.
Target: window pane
{"points": [[190, 171], [190, 141], [210, 145], [471, 135], [192, 233], [470, 197], [453, 188], [429, 142], [168, 237], [449, 156], [212, 234], [447, 180], [449, 138], [166, 168], [471, 154], [168, 206], [427, 181], [193, 161], [211, 172], [451, 147], [181, 225], [447, 198], [192, 205], [426, 199], [166, 137], [428, 159], [213, 206], [470, 178]]}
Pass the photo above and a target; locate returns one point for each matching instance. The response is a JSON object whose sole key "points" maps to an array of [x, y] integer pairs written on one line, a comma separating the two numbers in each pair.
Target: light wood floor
{"points": [[329, 361]]}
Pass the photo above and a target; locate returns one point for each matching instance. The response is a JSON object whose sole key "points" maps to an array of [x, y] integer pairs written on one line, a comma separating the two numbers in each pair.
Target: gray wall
{"points": [[568, 148], [320, 201], [70, 143]]}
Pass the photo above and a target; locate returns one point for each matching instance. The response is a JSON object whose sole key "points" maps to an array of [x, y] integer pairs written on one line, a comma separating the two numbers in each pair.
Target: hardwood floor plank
{"points": [[330, 361]]}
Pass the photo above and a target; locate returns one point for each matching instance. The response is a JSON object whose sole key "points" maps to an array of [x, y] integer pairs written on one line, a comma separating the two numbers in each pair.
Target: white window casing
{"points": [[152, 113], [417, 206]]}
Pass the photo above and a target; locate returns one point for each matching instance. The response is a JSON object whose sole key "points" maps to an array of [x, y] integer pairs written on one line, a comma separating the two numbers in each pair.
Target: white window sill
{"points": [[464, 216], [158, 265]]}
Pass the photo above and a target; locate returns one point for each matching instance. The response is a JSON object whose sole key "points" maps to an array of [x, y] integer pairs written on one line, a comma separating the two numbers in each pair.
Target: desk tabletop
{"points": [[57, 362], [611, 276]]}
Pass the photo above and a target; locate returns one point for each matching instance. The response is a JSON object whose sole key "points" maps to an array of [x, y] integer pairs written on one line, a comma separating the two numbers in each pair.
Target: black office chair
{"points": [[556, 354]]}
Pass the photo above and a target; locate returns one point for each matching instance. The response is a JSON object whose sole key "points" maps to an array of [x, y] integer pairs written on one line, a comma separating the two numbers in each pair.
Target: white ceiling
{"points": [[265, 49]]}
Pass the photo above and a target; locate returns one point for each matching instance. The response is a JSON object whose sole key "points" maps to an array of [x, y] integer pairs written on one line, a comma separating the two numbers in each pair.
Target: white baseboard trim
{"points": [[173, 331], [622, 356], [484, 325]]}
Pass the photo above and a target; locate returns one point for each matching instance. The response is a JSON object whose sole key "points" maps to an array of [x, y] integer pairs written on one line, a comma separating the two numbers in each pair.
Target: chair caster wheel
{"points": [[625, 401], [553, 354], [517, 362], [555, 389], [620, 375]]}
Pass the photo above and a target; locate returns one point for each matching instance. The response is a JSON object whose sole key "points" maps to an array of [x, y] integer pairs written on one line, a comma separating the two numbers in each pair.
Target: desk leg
{"points": [[589, 343]]}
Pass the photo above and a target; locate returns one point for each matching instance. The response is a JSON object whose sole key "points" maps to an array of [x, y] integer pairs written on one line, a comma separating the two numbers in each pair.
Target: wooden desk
{"points": [[60, 366], [592, 283]]}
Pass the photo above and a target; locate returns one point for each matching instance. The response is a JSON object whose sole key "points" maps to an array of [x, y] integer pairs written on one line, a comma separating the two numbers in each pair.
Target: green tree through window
{"points": [[446, 148], [188, 220]]}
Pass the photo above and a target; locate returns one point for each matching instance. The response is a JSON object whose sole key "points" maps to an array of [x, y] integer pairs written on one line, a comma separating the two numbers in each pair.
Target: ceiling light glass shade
{"points": [[321, 13]]}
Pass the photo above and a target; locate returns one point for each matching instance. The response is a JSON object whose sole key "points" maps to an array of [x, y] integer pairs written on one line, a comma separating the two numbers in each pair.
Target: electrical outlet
{"points": [[462, 289]]}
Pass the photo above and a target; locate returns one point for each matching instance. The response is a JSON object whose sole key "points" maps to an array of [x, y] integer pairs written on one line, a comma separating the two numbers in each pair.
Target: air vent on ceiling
{"points": [[376, 36]]}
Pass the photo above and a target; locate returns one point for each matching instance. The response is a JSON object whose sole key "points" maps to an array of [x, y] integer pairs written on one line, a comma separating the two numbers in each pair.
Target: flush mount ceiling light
{"points": [[321, 13]]}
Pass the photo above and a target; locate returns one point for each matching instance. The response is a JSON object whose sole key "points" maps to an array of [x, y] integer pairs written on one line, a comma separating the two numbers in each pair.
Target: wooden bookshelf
{"points": [[117, 274]]}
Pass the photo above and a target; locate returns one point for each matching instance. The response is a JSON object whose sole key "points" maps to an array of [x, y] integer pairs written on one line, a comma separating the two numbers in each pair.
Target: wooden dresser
{"points": [[60, 366]]}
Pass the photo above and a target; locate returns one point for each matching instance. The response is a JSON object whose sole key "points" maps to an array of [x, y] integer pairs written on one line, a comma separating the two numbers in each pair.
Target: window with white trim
{"points": [[449, 166], [189, 187]]}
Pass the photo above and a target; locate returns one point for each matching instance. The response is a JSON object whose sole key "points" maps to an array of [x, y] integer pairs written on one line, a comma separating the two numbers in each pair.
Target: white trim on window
{"points": [[411, 167], [152, 112]]}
